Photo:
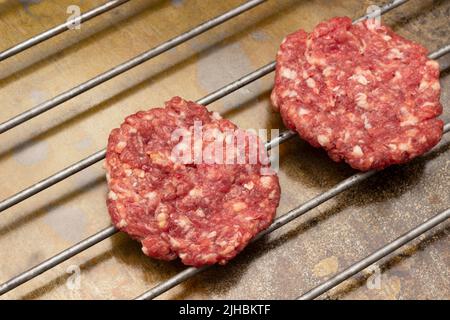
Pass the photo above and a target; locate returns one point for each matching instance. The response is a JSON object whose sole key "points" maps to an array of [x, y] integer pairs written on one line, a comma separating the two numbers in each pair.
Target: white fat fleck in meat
{"points": [[266, 182], [139, 173], [148, 117], [151, 195], [122, 224], [196, 192], [346, 136], [183, 255], [222, 243], [249, 185], [427, 104], [200, 213], [424, 84], [145, 251], [433, 64], [289, 94], [410, 120], [395, 54], [239, 206], [361, 100], [184, 223], [174, 242], [367, 124], [208, 257], [112, 195], [397, 75], [315, 60], [328, 71], [387, 38], [288, 73], [360, 79], [338, 90], [302, 111], [120, 146], [128, 172], [272, 194], [158, 158], [212, 234], [403, 146], [311, 83], [162, 220], [161, 215], [323, 139], [363, 47], [216, 116], [227, 250], [357, 151], [392, 146], [436, 86]]}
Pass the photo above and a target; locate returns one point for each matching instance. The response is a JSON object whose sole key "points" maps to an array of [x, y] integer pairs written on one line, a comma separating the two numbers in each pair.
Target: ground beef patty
{"points": [[201, 211], [361, 92]]}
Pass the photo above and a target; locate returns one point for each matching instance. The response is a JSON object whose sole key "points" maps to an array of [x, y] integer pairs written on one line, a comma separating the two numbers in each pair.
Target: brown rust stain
{"points": [[283, 265]]}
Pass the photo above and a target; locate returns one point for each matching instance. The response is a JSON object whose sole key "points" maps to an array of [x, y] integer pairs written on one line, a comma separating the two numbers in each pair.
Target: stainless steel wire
{"points": [[99, 155], [100, 236], [83, 245], [278, 223], [375, 256], [112, 73], [20, 47], [57, 259], [70, 252]]}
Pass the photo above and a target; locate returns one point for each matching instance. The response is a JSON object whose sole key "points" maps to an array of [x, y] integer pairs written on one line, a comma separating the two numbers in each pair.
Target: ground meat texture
{"points": [[203, 213], [363, 93]]}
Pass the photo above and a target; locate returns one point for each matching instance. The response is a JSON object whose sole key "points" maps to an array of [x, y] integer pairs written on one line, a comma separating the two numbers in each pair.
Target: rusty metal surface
{"points": [[281, 266]]}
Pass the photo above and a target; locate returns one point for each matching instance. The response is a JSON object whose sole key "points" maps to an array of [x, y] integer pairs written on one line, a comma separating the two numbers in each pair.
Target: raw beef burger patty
{"points": [[361, 92], [203, 213]]}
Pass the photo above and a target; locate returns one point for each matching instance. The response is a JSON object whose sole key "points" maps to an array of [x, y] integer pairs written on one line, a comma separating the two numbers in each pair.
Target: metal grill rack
{"points": [[220, 93]]}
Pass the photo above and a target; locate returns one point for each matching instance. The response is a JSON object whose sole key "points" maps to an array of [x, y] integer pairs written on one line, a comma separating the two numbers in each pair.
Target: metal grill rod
{"points": [[57, 259], [109, 231], [440, 52], [8, 53], [66, 254], [278, 223], [112, 73], [99, 155], [189, 272], [386, 8], [83, 245], [377, 255]]}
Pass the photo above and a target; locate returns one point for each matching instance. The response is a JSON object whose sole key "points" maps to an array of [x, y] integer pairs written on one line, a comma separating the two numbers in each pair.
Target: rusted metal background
{"points": [[282, 266]]}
